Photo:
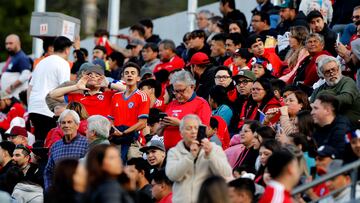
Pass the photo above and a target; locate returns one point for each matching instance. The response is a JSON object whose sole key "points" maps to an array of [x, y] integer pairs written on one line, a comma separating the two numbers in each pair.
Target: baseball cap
{"points": [[245, 73], [326, 151], [313, 14], [4, 95], [17, 130], [100, 63], [135, 42], [153, 144], [252, 39], [288, 4], [96, 69], [199, 58]]}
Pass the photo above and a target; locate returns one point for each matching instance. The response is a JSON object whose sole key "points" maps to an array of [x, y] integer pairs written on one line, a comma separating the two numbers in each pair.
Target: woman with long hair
{"points": [[214, 190], [220, 103]]}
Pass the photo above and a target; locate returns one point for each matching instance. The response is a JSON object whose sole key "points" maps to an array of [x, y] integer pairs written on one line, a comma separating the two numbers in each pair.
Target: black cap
{"points": [[326, 151], [313, 14], [252, 39], [8, 146]]}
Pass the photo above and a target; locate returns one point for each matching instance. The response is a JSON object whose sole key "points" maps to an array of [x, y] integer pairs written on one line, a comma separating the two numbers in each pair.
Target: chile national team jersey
{"points": [[127, 111]]}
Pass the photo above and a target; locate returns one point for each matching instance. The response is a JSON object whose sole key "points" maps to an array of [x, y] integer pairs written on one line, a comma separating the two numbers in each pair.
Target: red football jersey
{"points": [[127, 111], [97, 104], [174, 63], [275, 193]]}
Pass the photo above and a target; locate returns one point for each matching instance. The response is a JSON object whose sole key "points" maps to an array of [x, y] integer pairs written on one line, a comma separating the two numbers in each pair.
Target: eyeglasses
{"points": [[244, 82], [256, 89], [222, 77], [327, 73], [180, 91]]}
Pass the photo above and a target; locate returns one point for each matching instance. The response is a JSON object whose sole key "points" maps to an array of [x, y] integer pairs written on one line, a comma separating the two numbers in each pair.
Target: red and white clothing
{"points": [[17, 110], [174, 63], [159, 104], [195, 105], [275, 193], [97, 104], [128, 110]]}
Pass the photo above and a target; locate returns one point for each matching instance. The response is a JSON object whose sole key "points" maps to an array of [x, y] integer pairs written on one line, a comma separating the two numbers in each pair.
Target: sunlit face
{"points": [[155, 157], [332, 73], [264, 155], [234, 28], [319, 112], [148, 54], [313, 45], [98, 54], [230, 46], [68, 126], [244, 85], [217, 48], [355, 146], [189, 131], [131, 76], [95, 79], [12, 44], [293, 104], [258, 70], [293, 42], [80, 179], [112, 162], [246, 135], [164, 54], [317, 24], [258, 92], [182, 91], [223, 78], [257, 49]]}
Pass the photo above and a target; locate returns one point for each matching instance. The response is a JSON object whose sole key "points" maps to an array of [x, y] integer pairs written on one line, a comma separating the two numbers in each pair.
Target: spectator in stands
{"points": [[215, 26], [104, 165], [49, 74], [261, 68], [213, 190], [151, 131], [149, 28], [223, 77], [169, 60], [153, 90], [350, 28], [212, 130], [21, 157], [98, 129], [261, 134], [6, 148], [150, 55], [255, 46], [17, 70], [116, 61], [218, 50], [161, 187], [186, 102], [296, 53], [306, 74], [11, 107], [202, 20], [48, 49], [325, 8], [130, 110], [89, 91], [354, 138], [260, 23], [234, 41], [230, 13], [237, 27], [290, 16], [261, 101], [331, 126], [72, 146], [70, 182], [342, 87], [18, 135], [220, 103], [284, 170], [238, 60], [241, 190], [99, 52], [197, 43], [181, 168], [139, 168], [155, 154], [317, 25], [202, 69]]}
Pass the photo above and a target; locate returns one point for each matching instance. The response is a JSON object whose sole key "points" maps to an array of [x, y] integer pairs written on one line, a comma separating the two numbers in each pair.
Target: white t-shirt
{"points": [[48, 75]]}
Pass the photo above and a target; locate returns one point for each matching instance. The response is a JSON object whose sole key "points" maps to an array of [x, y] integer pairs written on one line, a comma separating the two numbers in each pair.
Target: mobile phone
{"points": [[338, 39], [201, 133], [162, 115]]}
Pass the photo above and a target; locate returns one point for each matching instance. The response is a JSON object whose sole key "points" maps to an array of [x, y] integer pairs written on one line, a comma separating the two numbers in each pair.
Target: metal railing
{"points": [[353, 167]]}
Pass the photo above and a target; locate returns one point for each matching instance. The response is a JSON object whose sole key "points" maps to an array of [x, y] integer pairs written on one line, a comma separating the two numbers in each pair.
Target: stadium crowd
{"points": [[236, 113]]}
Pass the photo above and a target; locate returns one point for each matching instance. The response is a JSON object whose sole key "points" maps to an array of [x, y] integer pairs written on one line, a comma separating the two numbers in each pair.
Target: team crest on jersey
{"points": [[130, 105], [100, 97]]}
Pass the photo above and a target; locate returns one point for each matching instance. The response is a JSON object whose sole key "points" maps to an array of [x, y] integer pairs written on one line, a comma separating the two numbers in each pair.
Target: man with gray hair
{"points": [[73, 145], [98, 130], [191, 161], [186, 102], [342, 87], [169, 60], [202, 20]]}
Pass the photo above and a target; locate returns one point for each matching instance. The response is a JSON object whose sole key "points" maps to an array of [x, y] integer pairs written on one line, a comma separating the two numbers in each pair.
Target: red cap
{"points": [[17, 130], [199, 58]]}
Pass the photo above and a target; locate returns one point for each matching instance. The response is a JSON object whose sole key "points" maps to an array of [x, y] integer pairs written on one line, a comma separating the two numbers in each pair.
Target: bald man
{"points": [[17, 69]]}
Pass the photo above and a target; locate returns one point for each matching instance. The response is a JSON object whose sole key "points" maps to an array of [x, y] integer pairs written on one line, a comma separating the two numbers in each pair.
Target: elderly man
{"points": [[72, 145], [98, 130], [202, 20], [306, 73], [17, 67], [169, 60], [190, 162], [186, 102], [342, 87]]}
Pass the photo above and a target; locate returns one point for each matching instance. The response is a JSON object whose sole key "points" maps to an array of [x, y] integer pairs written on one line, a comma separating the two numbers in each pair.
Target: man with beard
{"points": [[17, 69], [342, 87]]}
